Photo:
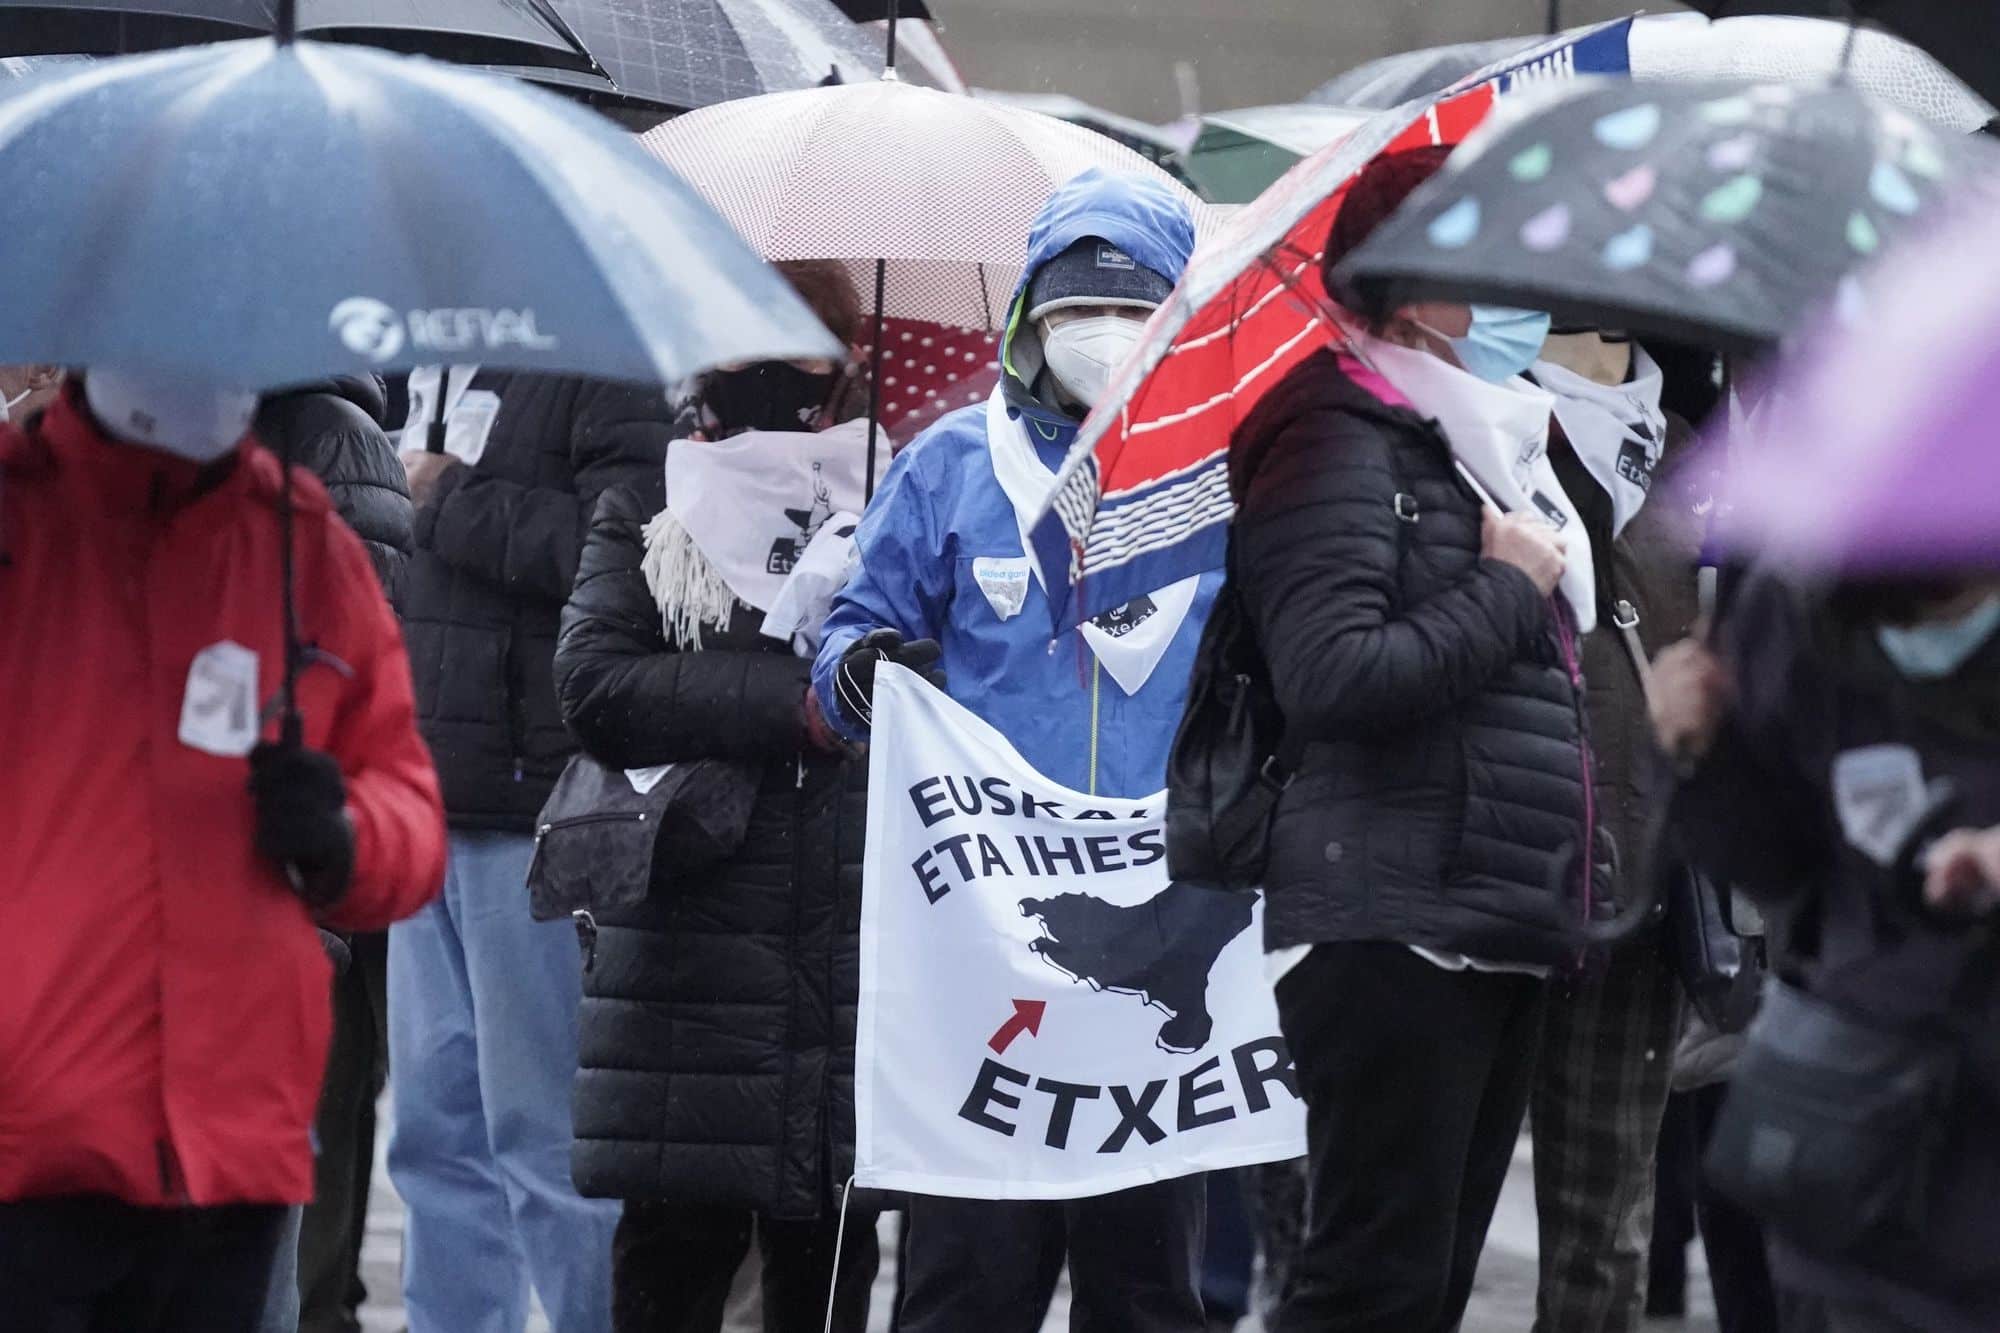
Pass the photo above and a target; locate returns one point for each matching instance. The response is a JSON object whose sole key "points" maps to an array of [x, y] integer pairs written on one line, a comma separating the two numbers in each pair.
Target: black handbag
{"points": [[599, 840], [1230, 762], [1833, 1127], [1721, 971]]}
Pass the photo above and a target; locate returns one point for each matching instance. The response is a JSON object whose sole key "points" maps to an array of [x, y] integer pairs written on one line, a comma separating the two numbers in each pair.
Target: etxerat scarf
{"points": [[741, 514], [1130, 640], [1499, 434], [1617, 430]]}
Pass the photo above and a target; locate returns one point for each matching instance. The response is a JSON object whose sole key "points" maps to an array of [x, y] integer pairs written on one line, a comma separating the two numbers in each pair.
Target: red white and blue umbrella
{"points": [[1143, 500]]}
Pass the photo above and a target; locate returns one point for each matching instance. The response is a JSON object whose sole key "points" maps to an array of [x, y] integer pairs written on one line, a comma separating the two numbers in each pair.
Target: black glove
{"points": [[854, 679], [302, 822]]}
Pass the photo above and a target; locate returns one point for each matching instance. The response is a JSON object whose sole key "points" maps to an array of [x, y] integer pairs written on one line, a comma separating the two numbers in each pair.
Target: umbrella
{"points": [[1718, 213], [1143, 499], [1238, 154], [1393, 80], [1874, 453], [879, 11], [483, 32], [1680, 47], [1963, 34], [264, 214], [1389, 81], [927, 196], [694, 53], [1158, 144], [165, 230]]}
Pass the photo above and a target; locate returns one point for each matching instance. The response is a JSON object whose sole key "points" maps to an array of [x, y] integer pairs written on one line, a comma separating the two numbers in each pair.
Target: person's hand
{"points": [[424, 469], [1527, 543], [1691, 694], [1962, 872], [302, 823], [854, 679]]}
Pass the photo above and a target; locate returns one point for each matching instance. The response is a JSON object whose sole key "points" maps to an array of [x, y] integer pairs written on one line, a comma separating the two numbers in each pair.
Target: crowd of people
{"points": [[225, 932]]}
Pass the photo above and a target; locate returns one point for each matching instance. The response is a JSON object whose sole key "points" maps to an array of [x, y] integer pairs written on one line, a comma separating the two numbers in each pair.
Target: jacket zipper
{"points": [[1572, 660], [599, 817]]}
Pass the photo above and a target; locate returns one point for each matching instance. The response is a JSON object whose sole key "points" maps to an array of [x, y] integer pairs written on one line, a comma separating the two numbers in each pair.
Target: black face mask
{"points": [[770, 395]]}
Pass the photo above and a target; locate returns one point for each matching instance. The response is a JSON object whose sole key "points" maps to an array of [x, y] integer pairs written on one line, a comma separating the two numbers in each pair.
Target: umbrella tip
{"points": [[287, 26]]}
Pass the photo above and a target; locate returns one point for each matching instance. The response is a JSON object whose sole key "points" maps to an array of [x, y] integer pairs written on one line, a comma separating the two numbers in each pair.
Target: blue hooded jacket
{"points": [[940, 509]]}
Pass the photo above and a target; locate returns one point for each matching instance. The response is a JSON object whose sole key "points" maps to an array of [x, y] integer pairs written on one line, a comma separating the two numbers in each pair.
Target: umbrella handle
{"points": [[875, 351]]}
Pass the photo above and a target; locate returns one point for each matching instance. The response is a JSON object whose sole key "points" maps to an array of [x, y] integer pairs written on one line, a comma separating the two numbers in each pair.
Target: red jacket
{"points": [[164, 1000]]}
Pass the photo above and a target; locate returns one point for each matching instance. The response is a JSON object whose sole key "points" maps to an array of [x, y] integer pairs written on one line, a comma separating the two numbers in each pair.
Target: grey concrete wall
{"points": [[1120, 54]]}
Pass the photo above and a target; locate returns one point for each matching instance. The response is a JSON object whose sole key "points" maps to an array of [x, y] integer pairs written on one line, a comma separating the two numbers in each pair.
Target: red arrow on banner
{"points": [[1027, 1018]]}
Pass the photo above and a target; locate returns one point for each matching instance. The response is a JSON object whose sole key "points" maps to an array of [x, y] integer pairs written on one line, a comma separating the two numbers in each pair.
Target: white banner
{"points": [[1043, 1015]]}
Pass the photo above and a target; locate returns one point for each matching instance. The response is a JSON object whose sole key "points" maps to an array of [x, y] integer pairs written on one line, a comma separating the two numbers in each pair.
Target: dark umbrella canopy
{"points": [[693, 53], [261, 215], [1717, 213], [877, 11], [1963, 34], [479, 32]]}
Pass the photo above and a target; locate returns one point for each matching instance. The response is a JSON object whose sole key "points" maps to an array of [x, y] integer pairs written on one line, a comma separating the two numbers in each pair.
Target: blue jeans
{"points": [[281, 1301], [482, 1042]]}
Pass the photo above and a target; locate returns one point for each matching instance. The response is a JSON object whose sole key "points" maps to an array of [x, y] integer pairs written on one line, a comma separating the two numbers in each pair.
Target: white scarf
{"points": [[1617, 430], [741, 513], [1499, 433], [1130, 640]]}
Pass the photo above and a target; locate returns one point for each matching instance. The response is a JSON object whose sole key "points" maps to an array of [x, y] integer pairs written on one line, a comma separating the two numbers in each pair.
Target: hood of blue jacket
{"points": [[1142, 214]]}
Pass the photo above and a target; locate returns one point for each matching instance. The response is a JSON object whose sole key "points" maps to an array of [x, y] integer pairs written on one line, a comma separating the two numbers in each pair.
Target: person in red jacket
{"points": [[164, 858]]}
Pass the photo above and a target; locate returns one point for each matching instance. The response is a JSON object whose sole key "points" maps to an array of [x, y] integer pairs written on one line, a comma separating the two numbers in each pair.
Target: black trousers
{"points": [[671, 1268], [1731, 1238], [1416, 1080], [330, 1235], [94, 1265], [980, 1266]]}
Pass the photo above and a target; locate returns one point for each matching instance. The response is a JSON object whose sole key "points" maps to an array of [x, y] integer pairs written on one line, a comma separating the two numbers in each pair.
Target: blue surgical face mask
{"points": [[1502, 342], [1936, 650]]}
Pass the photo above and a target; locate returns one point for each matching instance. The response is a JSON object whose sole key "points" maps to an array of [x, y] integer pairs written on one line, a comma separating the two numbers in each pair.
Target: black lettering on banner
{"points": [[1028, 854], [996, 796], [990, 859], [1104, 853], [955, 844], [1063, 1110], [1096, 814], [929, 878], [1032, 807], [969, 803], [930, 808], [1064, 850], [986, 1092], [1253, 1076], [1150, 846], [1135, 1116], [1191, 1115]]}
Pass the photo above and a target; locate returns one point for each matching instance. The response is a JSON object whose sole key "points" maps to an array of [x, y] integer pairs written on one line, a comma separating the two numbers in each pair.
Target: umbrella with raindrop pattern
{"points": [[1718, 213]]}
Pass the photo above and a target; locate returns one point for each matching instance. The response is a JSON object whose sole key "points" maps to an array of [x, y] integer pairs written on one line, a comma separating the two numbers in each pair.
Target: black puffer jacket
{"points": [[496, 557], [333, 429], [1441, 797], [717, 1043]]}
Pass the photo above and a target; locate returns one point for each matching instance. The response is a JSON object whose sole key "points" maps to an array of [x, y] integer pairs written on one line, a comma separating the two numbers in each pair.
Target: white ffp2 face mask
{"points": [[1082, 353], [170, 413]]}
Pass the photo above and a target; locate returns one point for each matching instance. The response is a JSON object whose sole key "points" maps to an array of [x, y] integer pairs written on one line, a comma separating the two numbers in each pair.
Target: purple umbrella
{"points": [[1878, 450]]}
